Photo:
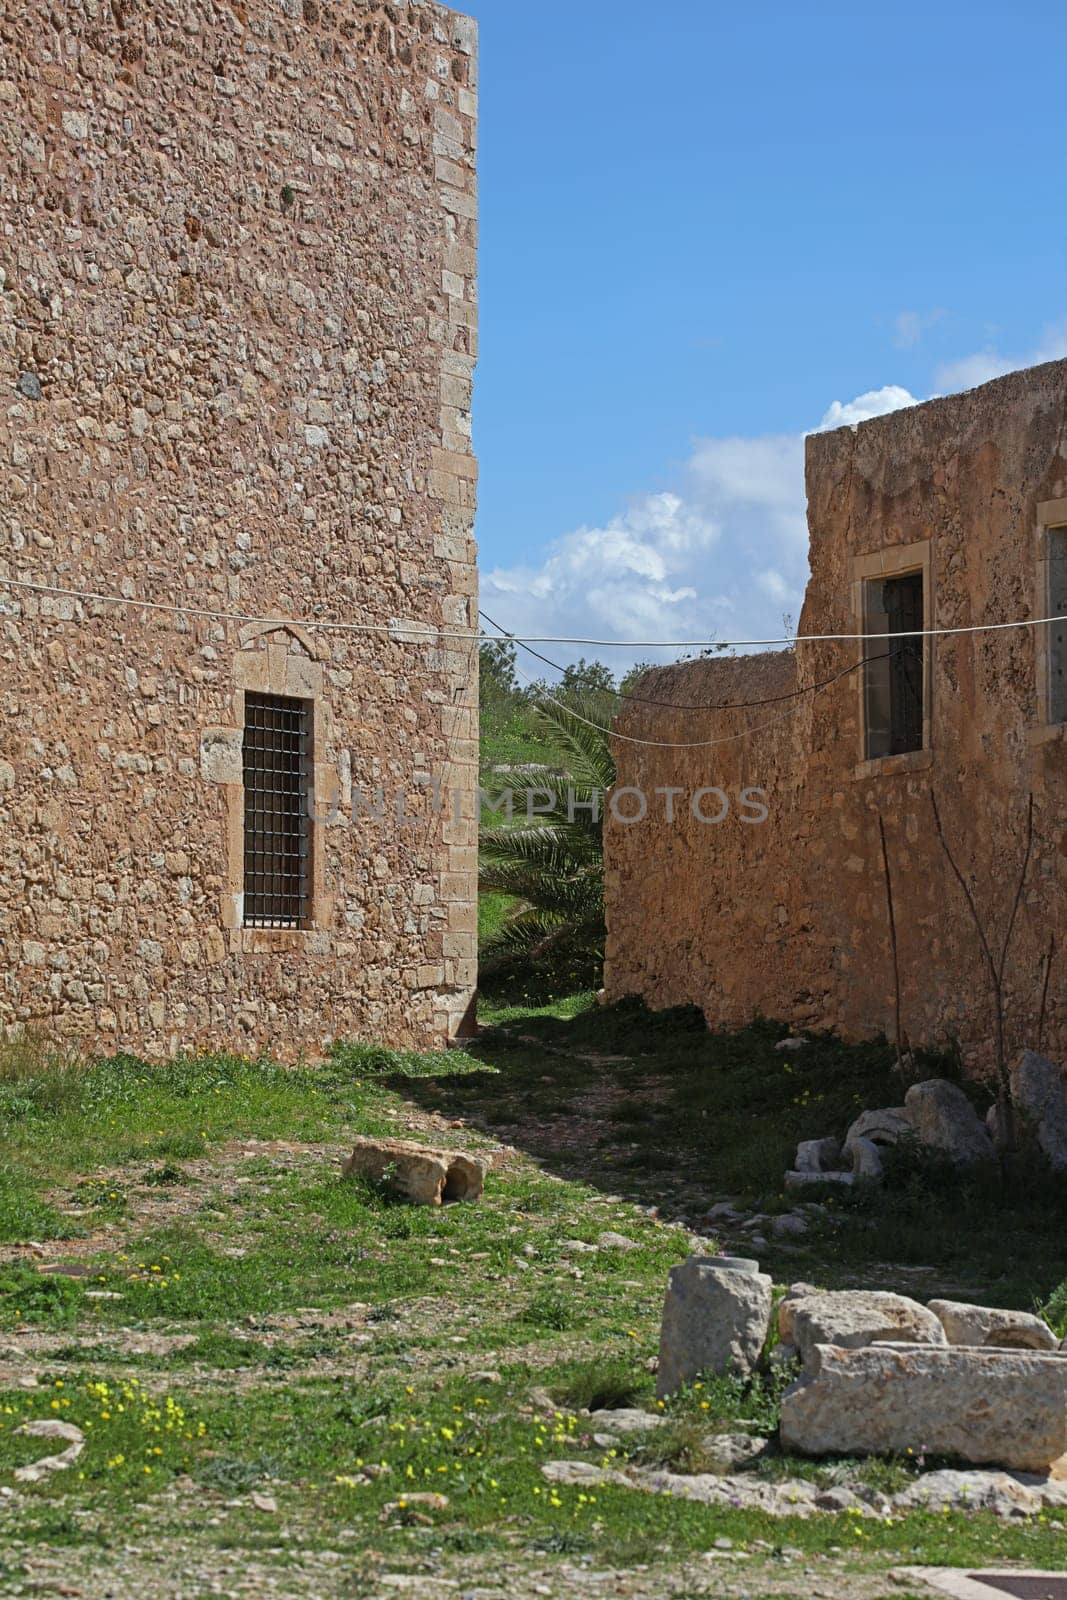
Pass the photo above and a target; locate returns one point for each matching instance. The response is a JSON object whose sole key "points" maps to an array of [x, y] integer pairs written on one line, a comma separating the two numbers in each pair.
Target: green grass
{"points": [[338, 1334]]}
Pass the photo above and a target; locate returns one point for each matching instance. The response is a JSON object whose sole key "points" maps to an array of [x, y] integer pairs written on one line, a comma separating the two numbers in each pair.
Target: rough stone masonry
{"points": [[237, 336], [787, 917]]}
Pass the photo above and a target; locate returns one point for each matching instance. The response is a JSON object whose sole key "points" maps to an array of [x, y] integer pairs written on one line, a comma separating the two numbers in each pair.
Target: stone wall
{"points": [[788, 918], [237, 337]]}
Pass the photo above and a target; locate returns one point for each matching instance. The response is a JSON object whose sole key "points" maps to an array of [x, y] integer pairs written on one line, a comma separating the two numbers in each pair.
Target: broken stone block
{"points": [[988, 1407], [888, 1126], [715, 1319], [850, 1318], [818, 1155], [804, 1180], [944, 1119], [1039, 1093], [866, 1160], [984, 1326], [424, 1176]]}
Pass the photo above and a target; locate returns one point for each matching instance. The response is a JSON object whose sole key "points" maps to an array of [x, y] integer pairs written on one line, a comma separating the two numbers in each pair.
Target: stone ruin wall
{"points": [[237, 336], [788, 919]]}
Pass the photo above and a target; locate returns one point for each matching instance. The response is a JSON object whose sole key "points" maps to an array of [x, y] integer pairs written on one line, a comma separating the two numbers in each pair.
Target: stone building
{"points": [[950, 515], [237, 336]]}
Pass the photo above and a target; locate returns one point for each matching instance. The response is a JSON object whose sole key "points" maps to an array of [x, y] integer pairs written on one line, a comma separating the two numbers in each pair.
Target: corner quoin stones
{"points": [[238, 328]]}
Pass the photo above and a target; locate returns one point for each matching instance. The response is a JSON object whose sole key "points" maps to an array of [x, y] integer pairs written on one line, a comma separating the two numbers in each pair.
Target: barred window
{"points": [[277, 781], [895, 668]]}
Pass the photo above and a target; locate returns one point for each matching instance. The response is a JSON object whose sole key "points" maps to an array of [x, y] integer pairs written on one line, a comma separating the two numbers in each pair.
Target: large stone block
{"points": [[944, 1119], [851, 1318], [715, 1319], [1003, 1408], [423, 1176], [995, 1329], [1039, 1091]]}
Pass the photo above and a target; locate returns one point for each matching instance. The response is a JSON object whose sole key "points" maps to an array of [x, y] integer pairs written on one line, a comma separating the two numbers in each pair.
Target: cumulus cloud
{"points": [[982, 365], [875, 403], [722, 554]]}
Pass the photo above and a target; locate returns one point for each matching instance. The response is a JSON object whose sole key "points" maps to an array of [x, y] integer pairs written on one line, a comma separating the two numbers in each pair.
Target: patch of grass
{"points": [[607, 1383], [165, 1176], [550, 1309], [1054, 1310], [379, 1061], [682, 1444], [27, 1298], [25, 1216]]}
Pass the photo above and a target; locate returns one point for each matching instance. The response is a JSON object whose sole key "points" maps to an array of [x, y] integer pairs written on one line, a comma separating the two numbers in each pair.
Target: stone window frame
{"points": [[894, 561], [1050, 514], [279, 659]]}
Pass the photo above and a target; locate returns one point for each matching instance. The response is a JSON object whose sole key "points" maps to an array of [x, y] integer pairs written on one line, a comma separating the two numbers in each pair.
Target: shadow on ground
{"points": [[654, 1108]]}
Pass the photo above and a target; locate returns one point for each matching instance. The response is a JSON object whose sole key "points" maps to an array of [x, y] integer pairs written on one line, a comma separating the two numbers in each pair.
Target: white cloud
{"points": [[722, 553], [969, 371], [875, 403]]}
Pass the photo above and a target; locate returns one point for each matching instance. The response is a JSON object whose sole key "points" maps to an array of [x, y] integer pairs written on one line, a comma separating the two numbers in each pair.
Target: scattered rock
{"points": [[944, 1119], [629, 1420], [485, 1377], [265, 1503], [1039, 1092], [29, 384], [427, 1501], [734, 1452], [578, 1247], [424, 1176], [996, 1407], [582, 1475], [851, 1318], [715, 1319], [803, 1180], [616, 1241], [789, 1224], [866, 1159], [1002, 1493], [818, 1155], [984, 1326], [49, 1428]]}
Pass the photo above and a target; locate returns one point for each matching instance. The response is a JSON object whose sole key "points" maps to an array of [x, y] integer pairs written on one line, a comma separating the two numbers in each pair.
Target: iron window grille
{"points": [[277, 812]]}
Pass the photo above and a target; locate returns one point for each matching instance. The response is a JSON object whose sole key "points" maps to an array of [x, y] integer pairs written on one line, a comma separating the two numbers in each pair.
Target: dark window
{"points": [[1057, 633], [277, 776], [895, 669]]}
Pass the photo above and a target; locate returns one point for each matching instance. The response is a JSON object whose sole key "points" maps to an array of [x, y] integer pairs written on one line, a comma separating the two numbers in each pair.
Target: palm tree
{"points": [[552, 868]]}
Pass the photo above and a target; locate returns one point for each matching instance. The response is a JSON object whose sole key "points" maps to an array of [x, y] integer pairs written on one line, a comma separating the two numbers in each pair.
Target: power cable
{"points": [[425, 632]]}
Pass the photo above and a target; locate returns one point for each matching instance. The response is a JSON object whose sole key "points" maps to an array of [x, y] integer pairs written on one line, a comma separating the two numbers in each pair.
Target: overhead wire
{"points": [[423, 632]]}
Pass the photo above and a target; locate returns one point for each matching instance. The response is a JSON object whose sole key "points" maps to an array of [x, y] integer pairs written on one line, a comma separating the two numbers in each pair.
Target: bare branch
{"points": [[1044, 994], [892, 943], [1019, 889], [961, 880]]}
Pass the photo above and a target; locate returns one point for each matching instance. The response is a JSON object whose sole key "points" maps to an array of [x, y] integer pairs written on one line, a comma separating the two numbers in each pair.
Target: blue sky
{"points": [[701, 227]]}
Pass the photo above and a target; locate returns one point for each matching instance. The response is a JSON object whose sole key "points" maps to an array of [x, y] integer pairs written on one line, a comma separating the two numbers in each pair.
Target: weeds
{"points": [[604, 1384]]}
